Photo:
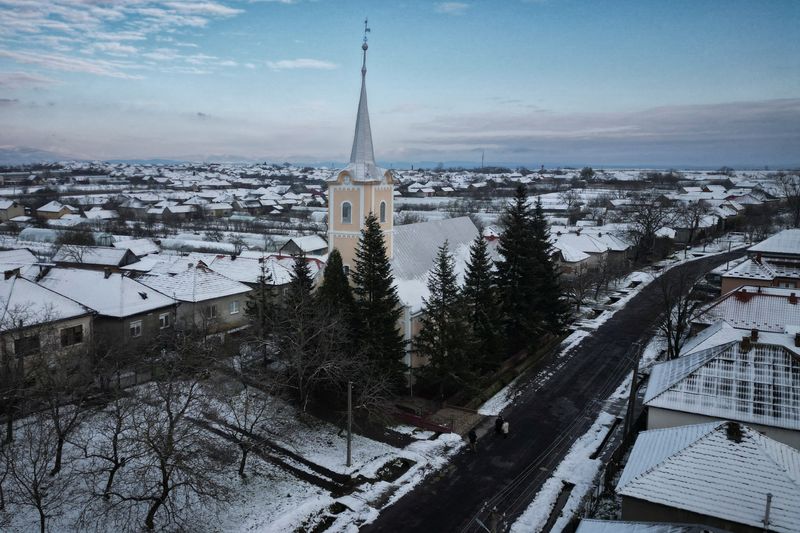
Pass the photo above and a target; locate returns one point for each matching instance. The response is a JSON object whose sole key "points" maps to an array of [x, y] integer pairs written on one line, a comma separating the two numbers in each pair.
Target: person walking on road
{"points": [[504, 429], [498, 425], [473, 440]]}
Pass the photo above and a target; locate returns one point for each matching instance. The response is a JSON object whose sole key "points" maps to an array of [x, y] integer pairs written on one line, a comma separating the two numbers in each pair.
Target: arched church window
{"points": [[347, 213], [383, 211]]}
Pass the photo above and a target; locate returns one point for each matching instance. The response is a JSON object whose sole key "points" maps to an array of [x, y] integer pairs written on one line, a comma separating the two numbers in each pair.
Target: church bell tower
{"points": [[361, 187]]}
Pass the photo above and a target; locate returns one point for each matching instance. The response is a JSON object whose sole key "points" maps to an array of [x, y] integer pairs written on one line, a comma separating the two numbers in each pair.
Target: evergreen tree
{"points": [[261, 302], [443, 337], [301, 283], [517, 273], [482, 307], [550, 302], [335, 291], [377, 304]]}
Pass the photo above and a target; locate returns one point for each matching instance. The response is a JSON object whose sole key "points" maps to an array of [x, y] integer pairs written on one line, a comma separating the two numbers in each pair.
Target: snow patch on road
{"points": [[576, 468]]}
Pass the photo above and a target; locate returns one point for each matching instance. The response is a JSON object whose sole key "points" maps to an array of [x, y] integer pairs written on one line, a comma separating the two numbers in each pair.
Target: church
{"points": [[361, 188]]}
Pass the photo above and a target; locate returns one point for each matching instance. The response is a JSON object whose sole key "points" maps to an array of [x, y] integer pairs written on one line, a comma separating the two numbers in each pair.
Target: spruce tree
{"points": [[335, 292], [301, 283], [483, 311], [261, 302], [377, 304], [517, 273], [550, 301], [443, 337]]}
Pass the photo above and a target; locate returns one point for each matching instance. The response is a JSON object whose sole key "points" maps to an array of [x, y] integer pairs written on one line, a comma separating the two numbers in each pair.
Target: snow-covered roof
{"points": [[765, 269], [91, 255], [196, 284], [787, 242], [20, 256], [759, 385], [5, 203], [589, 525], [115, 295], [570, 254], [139, 247], [24, 302], [309, 243], [54, 207], [762, 308], [415, 249], [717, 469], [584, 243]]}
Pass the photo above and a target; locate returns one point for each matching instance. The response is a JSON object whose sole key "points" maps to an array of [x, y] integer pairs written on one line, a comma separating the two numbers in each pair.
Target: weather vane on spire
{"points": [[364, 47]]}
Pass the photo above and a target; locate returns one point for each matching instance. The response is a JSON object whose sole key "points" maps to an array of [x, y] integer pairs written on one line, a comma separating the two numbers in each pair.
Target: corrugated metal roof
{"points": [[615, 526], [702, 470], [762, 308], [759, 386]]}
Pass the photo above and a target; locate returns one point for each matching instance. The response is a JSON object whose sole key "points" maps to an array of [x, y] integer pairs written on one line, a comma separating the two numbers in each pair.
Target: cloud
{"points": [[451, 8], [8, 101], [20, 80], [729, 133], [115, 48], [302, 63], [68, 64], [203, 8]]}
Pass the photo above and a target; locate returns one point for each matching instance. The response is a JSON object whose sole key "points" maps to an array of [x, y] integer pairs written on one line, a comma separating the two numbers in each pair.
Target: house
{"points": [[93, 257], [747, 308], [129, 315], [21, 262], [54, 210], [36, 320], [10, 209], [209, 301], [307, 245], [721, 474], [763, 272], [782, 245], [729, 374], [218, 209], [139, 247]]}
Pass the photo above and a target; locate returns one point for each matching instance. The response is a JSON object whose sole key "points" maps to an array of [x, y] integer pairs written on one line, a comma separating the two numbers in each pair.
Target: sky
{"points": [[522, 82]]}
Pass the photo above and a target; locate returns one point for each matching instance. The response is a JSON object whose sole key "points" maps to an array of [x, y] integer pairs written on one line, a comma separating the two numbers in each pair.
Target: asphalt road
{"points": [[560, 398]]}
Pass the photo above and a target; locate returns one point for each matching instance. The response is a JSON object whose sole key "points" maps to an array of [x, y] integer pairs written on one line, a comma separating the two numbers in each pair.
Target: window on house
{"points": [[234, 307], [163, 320], [211, 312], [347, 213], [72, 336], [383, 211], [26, 345], [135, 328]]}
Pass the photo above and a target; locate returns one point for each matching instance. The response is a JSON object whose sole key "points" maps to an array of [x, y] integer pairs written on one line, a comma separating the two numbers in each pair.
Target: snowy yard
{"points": [[272, 496]]}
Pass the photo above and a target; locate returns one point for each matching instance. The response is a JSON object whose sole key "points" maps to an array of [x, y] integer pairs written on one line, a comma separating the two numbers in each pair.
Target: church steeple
{"points": [[361, 188], [362, 153]]}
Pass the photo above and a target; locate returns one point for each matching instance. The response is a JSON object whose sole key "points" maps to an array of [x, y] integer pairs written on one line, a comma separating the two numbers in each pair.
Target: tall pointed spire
{"points": [[362, 152]]}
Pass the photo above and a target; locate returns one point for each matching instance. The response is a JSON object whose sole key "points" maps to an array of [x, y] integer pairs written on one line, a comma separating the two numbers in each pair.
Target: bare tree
{"points": [[678, 306], [690, 215], [647, 213], [27, 461], [578, 284], [790, 187], [178, 462], [241, 411]]}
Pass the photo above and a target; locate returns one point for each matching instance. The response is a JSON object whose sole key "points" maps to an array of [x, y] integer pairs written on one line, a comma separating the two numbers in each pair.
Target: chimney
{"points": [[758, 258], [793, 299], [106, 273], [10, 274], [734, 432], [745, 344], [754, 334], [797, 340]]}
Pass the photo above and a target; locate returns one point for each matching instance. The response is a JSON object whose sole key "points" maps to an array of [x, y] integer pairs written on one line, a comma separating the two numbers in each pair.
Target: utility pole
{"points": [[349, 423], [637, 357]]}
